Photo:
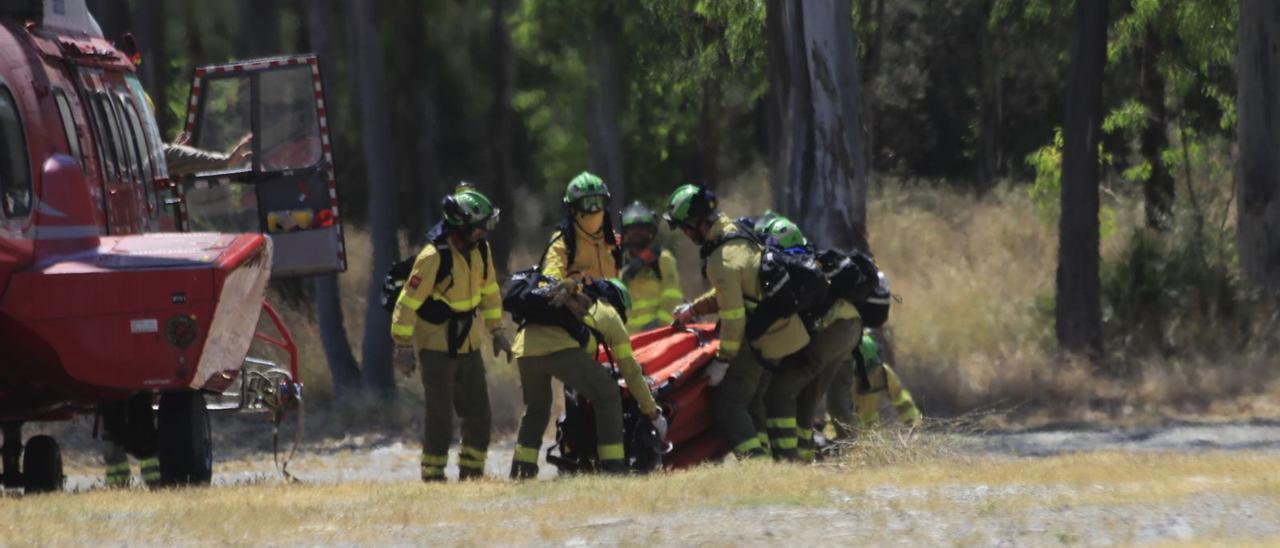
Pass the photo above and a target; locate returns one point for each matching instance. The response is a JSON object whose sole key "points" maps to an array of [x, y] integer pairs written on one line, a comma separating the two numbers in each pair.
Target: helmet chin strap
{"points": [[458, 237]]}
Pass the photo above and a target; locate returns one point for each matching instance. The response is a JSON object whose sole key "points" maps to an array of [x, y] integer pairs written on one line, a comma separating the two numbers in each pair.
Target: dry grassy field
{"points": [[932, 498]]}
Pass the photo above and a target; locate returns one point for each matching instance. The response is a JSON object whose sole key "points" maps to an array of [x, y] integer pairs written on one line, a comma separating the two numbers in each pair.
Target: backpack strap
{"points": [[657, 261], [743, 233], [483, 246]]}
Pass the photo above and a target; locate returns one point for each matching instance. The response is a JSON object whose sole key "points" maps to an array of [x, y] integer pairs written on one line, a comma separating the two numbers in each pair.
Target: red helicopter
{"points": [[123, 286]]}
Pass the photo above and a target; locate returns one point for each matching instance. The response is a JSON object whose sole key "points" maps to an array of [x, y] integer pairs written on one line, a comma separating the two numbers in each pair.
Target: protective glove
{"points": [[716, 371], [660, 424], [501, 344], [577, 304], [404, 360], [683, 314]]}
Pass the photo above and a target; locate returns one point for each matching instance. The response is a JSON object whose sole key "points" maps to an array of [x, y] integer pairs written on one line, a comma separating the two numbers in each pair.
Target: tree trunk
{"points": [[343, 368], [370, 81], [604, 103], [154, 72], [1079, 309], [989, 125], [259, 28], [870, 72], [1259, 140], [501, 140], [822, 166], [421, 183], [1158, 189], [112, 16]]}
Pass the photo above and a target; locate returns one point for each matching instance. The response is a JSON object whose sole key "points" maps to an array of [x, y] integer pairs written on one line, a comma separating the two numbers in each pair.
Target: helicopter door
{"points": [[257, 159]]}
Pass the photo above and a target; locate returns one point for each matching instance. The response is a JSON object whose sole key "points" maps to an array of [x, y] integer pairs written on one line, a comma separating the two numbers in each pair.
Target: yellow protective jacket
{"points": [[733, 271], [466, 289], [541, 340], [653, 299], [840, 310], [592, 257]]}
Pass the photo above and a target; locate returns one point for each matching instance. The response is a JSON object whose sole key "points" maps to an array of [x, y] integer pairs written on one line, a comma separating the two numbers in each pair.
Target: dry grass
{"points": [[975, 325], [709, 501]]}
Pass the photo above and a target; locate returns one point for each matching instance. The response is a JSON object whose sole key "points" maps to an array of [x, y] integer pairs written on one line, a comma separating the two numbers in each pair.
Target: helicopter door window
{"points": [[290, 129], [15, 172], [225, 116], [68, 126]]}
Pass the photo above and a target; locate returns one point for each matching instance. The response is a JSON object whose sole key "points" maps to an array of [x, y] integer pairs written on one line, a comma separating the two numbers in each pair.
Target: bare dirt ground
{"points": [[1177, 483]]}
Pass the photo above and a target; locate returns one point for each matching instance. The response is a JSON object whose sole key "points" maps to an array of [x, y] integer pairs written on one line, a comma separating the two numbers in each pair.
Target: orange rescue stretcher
{"points": [[673, 358]]}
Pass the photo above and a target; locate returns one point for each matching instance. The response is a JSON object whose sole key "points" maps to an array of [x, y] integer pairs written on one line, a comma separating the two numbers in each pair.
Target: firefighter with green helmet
{"points": [[881, 383], [792, 398], [649, 271], [584, 245], [449, 299], [731, 259], [545, 351]]}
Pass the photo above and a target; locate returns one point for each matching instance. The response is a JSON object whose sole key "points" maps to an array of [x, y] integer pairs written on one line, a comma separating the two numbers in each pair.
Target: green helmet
{"points": [[784, 232], [764, 218], [587, 192], [870, 348], [624, 294], [468, 207], [689, 204], [638, 214]]}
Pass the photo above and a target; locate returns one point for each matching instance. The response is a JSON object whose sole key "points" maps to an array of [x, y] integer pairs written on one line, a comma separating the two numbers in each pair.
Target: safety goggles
{"points": [[591, 204], [491, 222], [677, 225]]}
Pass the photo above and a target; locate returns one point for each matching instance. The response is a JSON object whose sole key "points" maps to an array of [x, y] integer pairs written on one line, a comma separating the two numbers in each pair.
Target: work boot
{"points": [[117, 466], [786, 455], [433, 467], [467, 473], [524, 470], [614, 467], [907, 410], [150, 468]]}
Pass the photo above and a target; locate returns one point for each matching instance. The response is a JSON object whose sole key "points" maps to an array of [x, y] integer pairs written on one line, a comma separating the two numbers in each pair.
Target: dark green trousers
{"points": [[840, 399], [734, 401], [454, 385], [792, 397], [578, 371]]}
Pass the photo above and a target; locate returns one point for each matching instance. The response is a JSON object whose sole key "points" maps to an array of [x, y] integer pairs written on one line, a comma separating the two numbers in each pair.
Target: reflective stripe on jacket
{"points": [[733, 270], [464, 289], [541, 340], [652, 299]]}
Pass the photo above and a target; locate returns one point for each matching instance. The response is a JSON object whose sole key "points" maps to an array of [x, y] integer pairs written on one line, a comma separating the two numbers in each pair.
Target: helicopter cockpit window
{"points": [[226, 116], [147, 115], [15, 172], [146, 174], [290, 136], [68, 126]]}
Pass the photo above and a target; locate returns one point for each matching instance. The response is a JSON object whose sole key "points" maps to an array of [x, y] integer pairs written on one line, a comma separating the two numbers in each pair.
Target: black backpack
{"points": [[789, 283], [855, 277], [393, 282], [875, 308]]}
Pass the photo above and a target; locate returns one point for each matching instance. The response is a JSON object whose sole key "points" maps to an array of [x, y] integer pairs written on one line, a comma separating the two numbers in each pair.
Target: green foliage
{"points": [[1173, 293], [1045, 192], [1129, 118]]}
